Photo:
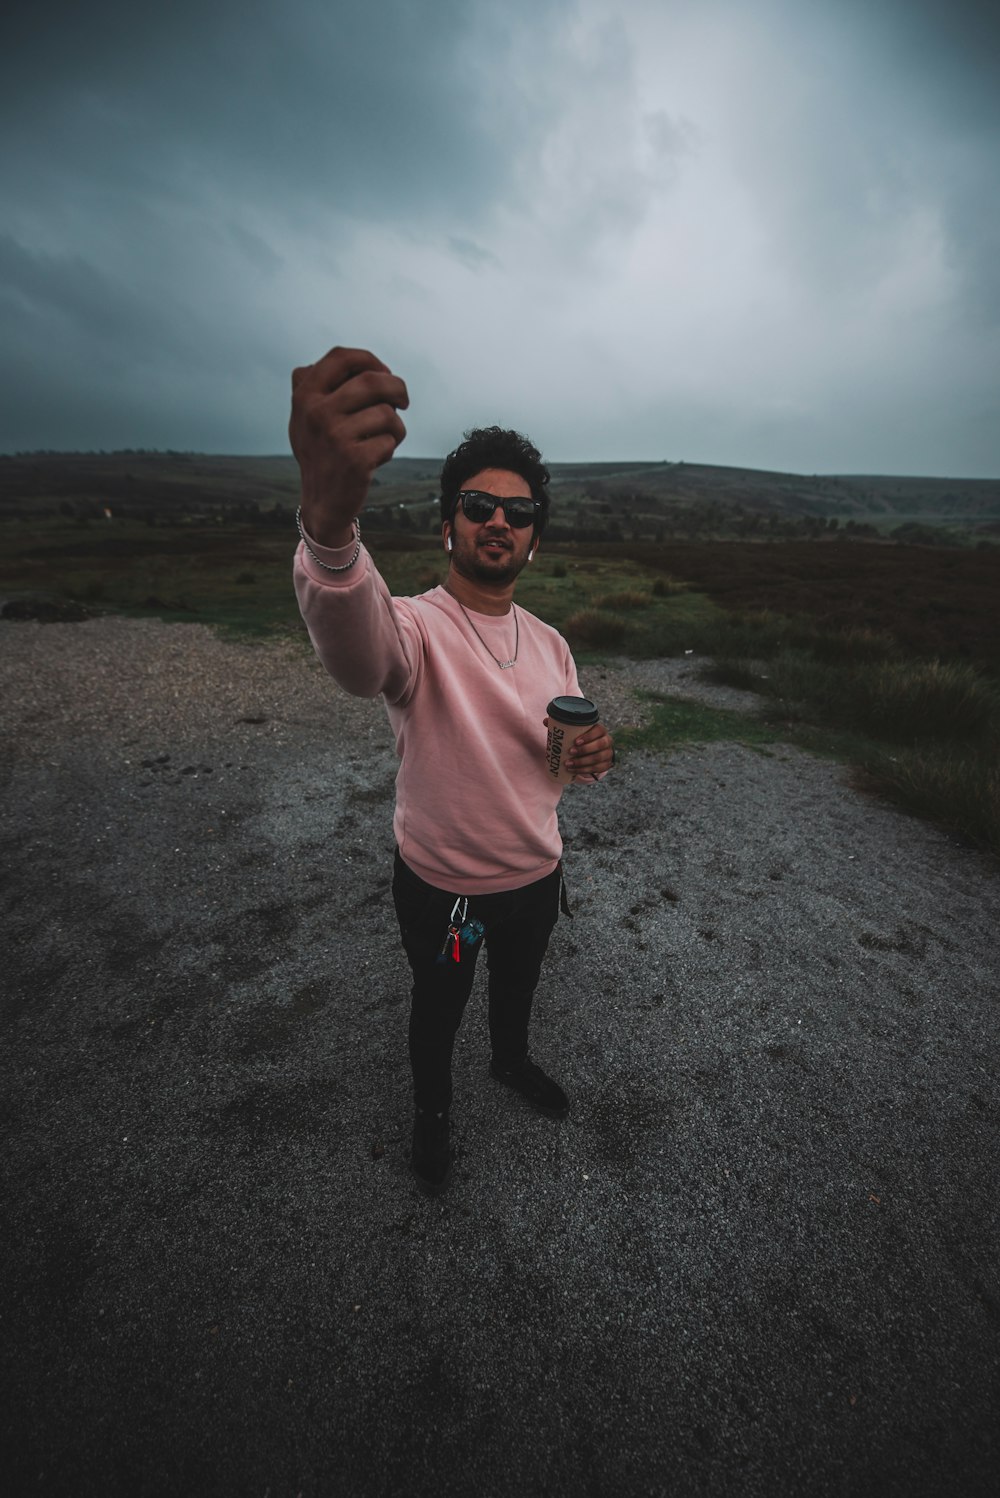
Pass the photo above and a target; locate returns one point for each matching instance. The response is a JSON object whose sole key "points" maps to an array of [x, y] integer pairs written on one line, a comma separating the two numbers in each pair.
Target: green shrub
{"points": [[733, 671], [852, 645], [957, 786], [799, 688], [630, 598], [896, 701], [909, 700], [666, 635], [591, 627], [743, 636]]}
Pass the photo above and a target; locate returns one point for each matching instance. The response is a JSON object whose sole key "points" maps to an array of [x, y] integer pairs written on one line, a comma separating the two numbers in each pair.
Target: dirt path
{"points": [[760, 1257]]}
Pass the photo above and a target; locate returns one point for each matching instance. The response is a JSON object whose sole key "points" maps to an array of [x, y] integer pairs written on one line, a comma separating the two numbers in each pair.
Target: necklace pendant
{"points": [[504, 665]]}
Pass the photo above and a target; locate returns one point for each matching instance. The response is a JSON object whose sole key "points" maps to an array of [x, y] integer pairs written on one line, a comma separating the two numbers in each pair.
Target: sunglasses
{"points": [[479, 507]]}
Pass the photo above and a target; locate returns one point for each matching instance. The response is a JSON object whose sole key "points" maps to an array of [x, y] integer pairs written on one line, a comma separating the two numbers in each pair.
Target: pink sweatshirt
{"points": [[475, 809]]}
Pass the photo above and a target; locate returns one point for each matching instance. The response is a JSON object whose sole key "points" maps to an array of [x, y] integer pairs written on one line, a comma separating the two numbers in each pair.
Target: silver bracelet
{"points": [[326, 565]]}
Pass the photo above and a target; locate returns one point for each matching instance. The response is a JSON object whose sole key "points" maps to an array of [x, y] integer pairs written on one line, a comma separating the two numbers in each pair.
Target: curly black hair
{"points": [[495, 447]]}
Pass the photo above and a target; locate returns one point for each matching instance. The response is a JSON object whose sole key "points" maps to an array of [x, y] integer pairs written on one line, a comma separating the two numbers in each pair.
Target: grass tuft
{"points": [[851, 646], [899, 701], [629, 598], [957, 786], [591, 627], [733, 671], [905, 701], [753, 636]]}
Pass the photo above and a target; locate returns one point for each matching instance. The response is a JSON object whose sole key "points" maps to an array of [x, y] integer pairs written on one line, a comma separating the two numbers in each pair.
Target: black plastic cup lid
{"points": [[576, 712]]}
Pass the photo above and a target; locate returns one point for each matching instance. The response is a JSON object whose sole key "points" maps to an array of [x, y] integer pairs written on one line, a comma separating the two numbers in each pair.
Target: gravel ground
{"points": [[759, 1258]]}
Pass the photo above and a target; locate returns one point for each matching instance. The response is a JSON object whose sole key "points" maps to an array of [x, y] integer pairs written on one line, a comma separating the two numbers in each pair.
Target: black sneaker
{"points": [[431, 1158], [532, 1083]]}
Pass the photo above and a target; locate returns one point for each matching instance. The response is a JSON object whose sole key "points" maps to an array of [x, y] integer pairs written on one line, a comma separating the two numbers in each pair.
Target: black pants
{"points": [[518, 924]]}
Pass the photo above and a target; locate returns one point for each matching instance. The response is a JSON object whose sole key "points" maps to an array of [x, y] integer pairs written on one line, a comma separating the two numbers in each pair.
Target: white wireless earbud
{"points": [[531, 553], [448, 544]]}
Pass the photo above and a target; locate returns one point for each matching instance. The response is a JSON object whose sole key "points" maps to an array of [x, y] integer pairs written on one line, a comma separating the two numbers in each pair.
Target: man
{"points": [[466, 676]]}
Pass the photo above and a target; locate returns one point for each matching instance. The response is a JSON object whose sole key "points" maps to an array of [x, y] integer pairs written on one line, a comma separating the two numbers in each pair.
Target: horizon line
{"points": [[840, 473]]}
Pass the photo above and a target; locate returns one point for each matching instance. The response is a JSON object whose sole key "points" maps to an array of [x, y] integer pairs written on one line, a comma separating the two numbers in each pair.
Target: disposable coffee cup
{"points": [[568, 717]]}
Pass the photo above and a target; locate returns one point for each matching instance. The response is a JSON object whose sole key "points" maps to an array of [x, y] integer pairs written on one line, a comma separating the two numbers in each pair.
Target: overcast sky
{"points": [[761, 232]]}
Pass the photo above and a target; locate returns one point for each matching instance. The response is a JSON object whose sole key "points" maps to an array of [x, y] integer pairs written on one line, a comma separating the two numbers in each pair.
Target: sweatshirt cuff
{"points": [[333, 556]]}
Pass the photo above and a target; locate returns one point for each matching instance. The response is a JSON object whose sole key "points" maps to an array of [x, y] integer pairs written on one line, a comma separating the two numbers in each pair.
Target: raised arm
{"points": [[345, 423], [343, 426]]}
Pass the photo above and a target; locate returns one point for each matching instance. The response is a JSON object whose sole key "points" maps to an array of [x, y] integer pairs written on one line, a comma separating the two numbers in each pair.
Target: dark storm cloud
{"points": [[371, 108], [67, 289], [158, 160], [95, 360], [770, 233], [953, 45], [943, 96]]}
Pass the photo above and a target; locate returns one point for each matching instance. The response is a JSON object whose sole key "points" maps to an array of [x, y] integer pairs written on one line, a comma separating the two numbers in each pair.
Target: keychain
{"points": [[459, 930], [450, 946]]}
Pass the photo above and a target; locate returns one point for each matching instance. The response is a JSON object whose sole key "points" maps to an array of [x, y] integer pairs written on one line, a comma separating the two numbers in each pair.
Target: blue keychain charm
{"points": [[472, 932]]}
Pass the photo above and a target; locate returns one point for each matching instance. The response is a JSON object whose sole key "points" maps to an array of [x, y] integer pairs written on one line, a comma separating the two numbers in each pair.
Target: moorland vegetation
{"points": [[825, 596]]}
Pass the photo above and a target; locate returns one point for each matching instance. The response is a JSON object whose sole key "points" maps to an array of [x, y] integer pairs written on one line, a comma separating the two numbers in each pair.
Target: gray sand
{"points": [[759, 1258]]}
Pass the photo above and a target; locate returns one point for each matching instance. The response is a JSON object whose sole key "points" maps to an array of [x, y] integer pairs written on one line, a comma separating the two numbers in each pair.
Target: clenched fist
{"points": [[344, 425]]}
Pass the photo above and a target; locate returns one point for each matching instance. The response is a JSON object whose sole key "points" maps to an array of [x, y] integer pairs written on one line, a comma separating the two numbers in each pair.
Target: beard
{"points": [[472, 561]]}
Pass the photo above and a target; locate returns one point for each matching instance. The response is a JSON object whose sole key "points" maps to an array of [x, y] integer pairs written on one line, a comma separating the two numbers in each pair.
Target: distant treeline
{"points": [[689, 523], [416, 520], [647, 504]]}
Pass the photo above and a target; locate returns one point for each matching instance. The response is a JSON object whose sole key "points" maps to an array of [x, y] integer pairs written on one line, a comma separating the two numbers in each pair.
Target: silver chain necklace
{"points": [[504, 665]]}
